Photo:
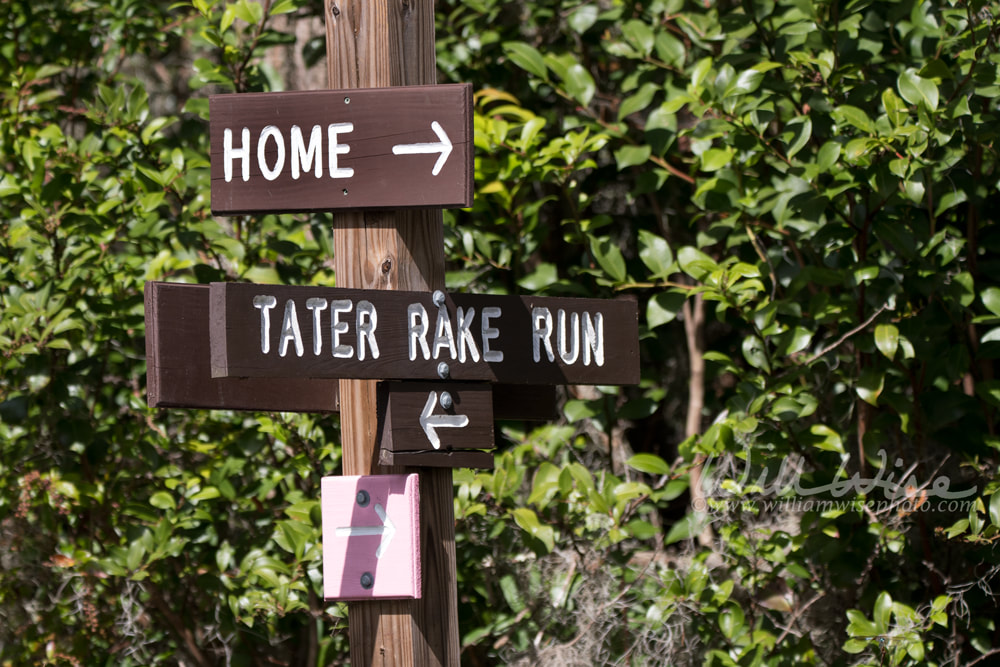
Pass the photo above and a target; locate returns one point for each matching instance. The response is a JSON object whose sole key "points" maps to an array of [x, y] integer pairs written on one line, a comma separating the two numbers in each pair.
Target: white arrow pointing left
{"points": [[443, 146], [430, 422], [386, 530]]}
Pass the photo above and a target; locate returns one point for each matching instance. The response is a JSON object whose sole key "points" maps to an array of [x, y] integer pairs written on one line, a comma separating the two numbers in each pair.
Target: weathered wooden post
{"points": [[374, 44]]}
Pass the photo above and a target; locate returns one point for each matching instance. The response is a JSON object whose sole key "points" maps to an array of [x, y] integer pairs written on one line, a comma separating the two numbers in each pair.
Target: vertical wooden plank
{"points": [[370, 44]]}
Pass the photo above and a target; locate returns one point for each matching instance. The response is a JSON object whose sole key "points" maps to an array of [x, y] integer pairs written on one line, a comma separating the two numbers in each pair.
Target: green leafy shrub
{"points": [[798, 195]]}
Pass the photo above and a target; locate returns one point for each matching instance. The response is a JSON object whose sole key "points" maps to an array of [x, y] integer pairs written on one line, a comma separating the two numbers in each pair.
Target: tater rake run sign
{"points": [[323, 150], [286, 331]]}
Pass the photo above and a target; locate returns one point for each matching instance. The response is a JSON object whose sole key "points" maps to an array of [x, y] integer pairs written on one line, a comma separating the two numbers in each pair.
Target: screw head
{"points": [[367, 580], [443, 371], [446, 400], [438, 298], [363, 498]]}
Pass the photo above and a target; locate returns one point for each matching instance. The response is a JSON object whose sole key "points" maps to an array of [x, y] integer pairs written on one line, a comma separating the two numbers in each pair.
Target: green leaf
{"points": [[957, 528], [650, 464], [134, 557], [250, 12], [655, 253], [8, 186], [545, 485], [699, 73], [638, 101], [828, 155], [991, 299], [894, 107], [686, 528], [228, 16], [162, 500], [858, 624], [883, 612], [870, 384], [917, 90], [670, 49], [856, 645], [528, 521], [302, 511], [577, 409], [829, 441], [798, 132], [639, 35], [511, 593], [105, 206], [529, 131], [695, 263], [208, 493], [854, 116], [610, 257], [283, 7], [293, 536], [750, 79], [732, 621], [664, 307], [887, 339], [949, 199], [527, 58], [753, 352], [629, 156], [716, 158], [583, 18], [793, 341], [579, 83], [543, 276]]}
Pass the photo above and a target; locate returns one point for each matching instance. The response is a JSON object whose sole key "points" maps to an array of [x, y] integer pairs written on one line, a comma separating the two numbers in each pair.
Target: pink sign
{"points": [[371, 537]]}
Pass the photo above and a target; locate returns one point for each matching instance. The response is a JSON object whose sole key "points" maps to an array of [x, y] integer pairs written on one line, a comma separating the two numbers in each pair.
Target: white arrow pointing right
{"points": [[431, 422], [443, 146], [386, 530]]}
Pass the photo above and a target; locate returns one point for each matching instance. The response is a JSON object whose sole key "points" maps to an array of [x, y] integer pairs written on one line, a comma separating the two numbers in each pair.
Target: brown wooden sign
{"points": [[179, 374], [402, 147], [178, 362], [325, 332], [436, 424]]}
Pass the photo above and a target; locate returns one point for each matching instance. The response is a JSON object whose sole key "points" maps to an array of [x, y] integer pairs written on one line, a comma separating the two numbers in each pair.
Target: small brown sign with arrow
{"points": [[436, 424]]}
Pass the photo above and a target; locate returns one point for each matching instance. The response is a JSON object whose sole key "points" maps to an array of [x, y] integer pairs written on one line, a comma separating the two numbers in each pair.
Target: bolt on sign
{"points": [[323, 150], [326, 332], [371, 536]]}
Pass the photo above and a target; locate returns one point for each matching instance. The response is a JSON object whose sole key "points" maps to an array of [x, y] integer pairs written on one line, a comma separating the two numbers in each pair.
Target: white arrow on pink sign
{"points": [[371, 537]]}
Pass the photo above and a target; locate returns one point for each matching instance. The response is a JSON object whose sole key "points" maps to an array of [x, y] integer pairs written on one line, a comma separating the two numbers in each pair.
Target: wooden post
{"points": [[374, 44]]}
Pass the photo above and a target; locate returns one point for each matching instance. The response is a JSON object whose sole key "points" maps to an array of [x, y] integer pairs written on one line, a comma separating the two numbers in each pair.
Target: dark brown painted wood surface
{"points": [[238, 335], [392, 148], [416, 418], [178, 362], [179, 371], [525, 401], [463, 458]]}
